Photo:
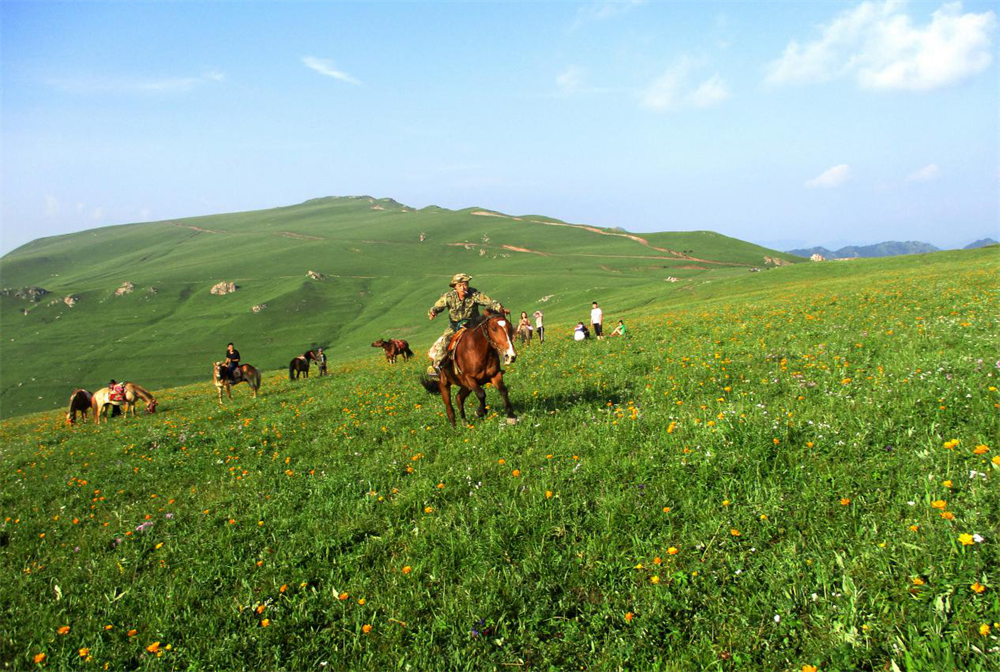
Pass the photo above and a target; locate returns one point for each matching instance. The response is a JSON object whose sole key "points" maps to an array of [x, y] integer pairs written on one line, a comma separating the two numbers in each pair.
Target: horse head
{"points": [[151, 406], [378, 344], [69, 418], [217, 370], [500, 333]]}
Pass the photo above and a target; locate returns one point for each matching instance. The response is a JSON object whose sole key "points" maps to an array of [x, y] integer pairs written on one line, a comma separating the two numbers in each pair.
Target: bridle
{"points": [[486, 332]]}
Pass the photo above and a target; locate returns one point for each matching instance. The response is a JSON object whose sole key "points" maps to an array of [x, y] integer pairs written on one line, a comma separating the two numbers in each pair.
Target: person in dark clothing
{"points": [[232, 362]]}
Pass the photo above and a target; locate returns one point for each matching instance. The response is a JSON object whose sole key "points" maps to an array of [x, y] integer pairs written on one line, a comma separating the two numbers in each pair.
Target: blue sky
{"points": [[786, 124]]}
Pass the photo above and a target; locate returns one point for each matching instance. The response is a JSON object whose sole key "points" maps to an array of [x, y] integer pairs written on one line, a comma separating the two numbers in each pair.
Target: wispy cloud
{"points": [[573, 81], [600, 10], [90, 85], [830, 178], [51, 206], [926, 174], [678, 88], [325, 67], [879, 45]]}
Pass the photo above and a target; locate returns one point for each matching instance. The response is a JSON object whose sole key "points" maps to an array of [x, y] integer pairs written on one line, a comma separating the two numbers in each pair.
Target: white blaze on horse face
{"points": [[509, 355]]}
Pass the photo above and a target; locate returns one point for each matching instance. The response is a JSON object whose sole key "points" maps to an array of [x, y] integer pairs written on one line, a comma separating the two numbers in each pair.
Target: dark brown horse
{"points": [[393, 348], [248, 375], [79, 402], [300, 365], [476, 361]]}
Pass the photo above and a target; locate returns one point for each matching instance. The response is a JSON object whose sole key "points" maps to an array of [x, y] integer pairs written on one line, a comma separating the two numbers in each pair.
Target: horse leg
{"points": [[502, 389], [446, 396], [460, 398], [481, 396]]}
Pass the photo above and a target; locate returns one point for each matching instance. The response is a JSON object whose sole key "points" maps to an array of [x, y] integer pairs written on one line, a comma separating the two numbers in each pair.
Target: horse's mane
{"points": [[141, 391]]}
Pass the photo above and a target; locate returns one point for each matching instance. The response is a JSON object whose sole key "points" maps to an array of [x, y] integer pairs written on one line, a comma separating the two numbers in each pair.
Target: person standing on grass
{"points": [[539, 329], [597, 321]]}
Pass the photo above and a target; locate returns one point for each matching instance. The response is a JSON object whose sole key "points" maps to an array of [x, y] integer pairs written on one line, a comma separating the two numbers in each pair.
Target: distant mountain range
{"points": [[889, 248]]}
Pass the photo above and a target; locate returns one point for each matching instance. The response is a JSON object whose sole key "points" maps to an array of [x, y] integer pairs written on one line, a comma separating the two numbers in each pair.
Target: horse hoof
{"points": [[512, 421]]}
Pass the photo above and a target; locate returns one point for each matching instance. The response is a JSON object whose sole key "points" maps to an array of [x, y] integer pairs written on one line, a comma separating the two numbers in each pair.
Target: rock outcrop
{"points": [[71, 300], [126, 288], [259, 307], [316, 275], [223, 288], [776, 261]]}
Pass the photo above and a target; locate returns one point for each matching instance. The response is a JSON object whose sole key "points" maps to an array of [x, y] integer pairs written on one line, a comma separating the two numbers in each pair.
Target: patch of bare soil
{"points": [[524, 249], [300, 236]]}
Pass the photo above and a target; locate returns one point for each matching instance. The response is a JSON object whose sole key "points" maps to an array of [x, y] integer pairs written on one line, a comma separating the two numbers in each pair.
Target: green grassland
{"points": [[797, 467], [381, 279]]}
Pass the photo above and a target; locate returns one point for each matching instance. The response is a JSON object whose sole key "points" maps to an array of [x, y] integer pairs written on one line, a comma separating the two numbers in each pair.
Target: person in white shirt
{"points": [[597, 321], [580, 332], [539, 329]]}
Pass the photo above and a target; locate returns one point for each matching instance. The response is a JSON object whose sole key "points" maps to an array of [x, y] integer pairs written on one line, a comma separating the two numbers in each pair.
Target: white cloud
{"points": [[878, 45], [925, 174], [325, 67], [674, 89], [97, 214], [599, 10], [127, 85], [51, 206], [570, 80], [831, 177], [711, 92]]}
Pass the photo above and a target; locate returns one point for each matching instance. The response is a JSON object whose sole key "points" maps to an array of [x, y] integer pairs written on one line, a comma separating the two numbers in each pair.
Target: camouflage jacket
{"points": [[461, 311]]}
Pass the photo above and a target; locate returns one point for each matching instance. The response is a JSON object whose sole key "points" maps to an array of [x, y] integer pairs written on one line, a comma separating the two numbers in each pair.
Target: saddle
{"points": [[449, 353], [116, 393]]}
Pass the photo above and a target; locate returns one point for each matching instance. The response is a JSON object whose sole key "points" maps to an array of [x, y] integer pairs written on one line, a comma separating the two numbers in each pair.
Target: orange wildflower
{"points": [[63, 630], [39, 657], [366, 628], [672, 550], [154, 647], [407, 569], [977, 587]]}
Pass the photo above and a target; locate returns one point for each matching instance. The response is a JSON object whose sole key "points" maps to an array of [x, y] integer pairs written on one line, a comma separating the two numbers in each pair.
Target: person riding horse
{"points": [[232, 362], [462, 304]]}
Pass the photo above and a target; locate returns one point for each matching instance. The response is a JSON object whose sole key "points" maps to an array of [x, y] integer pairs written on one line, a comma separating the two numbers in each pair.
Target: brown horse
{"points": [[79, 402], [249, 375], [300, 365], [393, 348], [475, 362]]}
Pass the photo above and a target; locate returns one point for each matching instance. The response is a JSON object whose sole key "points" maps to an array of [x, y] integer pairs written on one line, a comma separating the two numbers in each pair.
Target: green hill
{"points": [[382, 265], [775, 470]]}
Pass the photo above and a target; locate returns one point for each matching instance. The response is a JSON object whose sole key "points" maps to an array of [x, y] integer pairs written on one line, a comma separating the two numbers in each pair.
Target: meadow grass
{"points": [[803, 474], [384, 265]]}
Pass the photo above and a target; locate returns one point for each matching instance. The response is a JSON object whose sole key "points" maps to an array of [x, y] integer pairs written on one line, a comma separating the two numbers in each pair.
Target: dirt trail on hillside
{"points": [[594, 229], [524, 249], [299, 236], [197, 228]]}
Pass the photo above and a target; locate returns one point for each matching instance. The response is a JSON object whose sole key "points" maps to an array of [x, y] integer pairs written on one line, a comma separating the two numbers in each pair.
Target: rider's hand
{"points": [[431, 316]]}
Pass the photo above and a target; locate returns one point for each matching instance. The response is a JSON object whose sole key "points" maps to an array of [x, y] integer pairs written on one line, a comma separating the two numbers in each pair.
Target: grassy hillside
{"points": [[384, 263], [778, 469]]}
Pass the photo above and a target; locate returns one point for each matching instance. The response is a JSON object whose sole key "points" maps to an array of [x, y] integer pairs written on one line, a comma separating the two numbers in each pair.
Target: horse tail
{"points": [[430, 385], [291, 367]]}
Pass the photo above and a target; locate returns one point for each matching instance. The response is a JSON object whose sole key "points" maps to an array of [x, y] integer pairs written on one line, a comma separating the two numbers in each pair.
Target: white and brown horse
{"points": [[79, 402], [101, 401], [249, 375]]}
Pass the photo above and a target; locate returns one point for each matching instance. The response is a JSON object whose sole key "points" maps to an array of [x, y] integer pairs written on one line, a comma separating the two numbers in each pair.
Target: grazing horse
{"points": [[102, 403], [474, 362], [135, 392], [300, 365], [79, 402], [393, 348], [249, 375]]}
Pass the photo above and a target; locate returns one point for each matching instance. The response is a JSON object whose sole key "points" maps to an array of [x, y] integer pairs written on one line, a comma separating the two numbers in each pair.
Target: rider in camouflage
{"points": [[462, 304]]}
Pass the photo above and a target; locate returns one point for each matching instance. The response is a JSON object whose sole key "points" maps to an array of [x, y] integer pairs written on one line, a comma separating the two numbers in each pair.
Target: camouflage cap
{"points": [[460, 277]]}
